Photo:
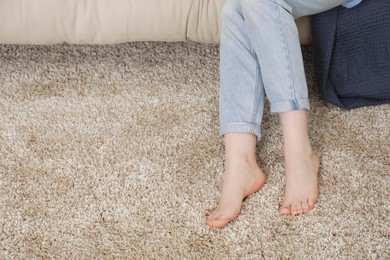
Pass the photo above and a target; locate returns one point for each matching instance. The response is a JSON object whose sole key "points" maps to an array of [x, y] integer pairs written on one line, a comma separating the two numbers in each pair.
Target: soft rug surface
{"points": [[113, 152]]}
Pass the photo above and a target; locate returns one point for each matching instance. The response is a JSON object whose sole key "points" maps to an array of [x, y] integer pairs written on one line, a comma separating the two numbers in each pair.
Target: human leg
{"points": [[274, 37], [242, 100], [301, 164], [241, 109], [241, 97]]}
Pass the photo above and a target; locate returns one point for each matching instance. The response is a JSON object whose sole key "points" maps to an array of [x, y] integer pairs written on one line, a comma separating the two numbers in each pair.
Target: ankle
{"points": [[306, 156], [240, 159], [303, 149]]}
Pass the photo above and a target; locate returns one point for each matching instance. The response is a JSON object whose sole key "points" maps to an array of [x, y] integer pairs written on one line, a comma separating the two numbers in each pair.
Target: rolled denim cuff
{"points": [[290, 105], [240, 127]]}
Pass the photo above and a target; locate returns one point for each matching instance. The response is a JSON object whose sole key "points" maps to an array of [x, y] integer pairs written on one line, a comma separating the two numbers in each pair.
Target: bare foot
{"points": [[301, 184], [242, 178]]}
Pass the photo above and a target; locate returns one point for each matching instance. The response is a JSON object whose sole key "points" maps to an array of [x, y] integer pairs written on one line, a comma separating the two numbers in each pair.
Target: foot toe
{"points": [[296, 209], [218, 222], [293, 209], [285, 209], [221, 217], [311, 204], [305, 207]]}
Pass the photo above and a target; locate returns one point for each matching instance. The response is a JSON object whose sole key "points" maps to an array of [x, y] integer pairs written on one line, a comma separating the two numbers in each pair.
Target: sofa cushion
{"points": [[108, 21], [113, 21]]}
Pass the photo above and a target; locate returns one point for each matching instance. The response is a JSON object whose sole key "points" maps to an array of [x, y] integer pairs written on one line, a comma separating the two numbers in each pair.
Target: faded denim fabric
{"points": [[260, 55]]}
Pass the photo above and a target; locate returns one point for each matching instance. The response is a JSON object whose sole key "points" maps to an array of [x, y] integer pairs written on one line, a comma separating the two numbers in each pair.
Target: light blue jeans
{"points": [[260, 55]]}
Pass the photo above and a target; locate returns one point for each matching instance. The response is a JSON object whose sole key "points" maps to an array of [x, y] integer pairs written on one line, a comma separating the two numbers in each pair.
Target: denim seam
{"points": [[291, 85], [255, 94], [255, 102]]}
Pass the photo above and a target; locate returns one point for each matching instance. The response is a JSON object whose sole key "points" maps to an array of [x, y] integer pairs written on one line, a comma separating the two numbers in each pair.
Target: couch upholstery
{"points": [[113, 21]]}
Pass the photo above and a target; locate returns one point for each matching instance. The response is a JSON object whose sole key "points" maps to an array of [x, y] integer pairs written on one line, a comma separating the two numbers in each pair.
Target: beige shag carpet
{"points": [[112, 152]]}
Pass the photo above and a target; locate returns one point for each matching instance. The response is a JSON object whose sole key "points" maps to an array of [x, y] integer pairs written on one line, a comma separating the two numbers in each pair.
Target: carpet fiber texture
{"points": [[113, 152]]}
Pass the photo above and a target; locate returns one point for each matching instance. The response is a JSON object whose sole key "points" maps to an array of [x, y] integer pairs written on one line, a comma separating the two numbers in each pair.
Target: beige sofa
{"points": [[114, 21]]}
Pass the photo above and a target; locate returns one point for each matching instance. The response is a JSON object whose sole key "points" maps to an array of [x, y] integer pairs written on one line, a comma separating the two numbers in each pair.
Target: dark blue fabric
{"points": [[351, 54]]}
